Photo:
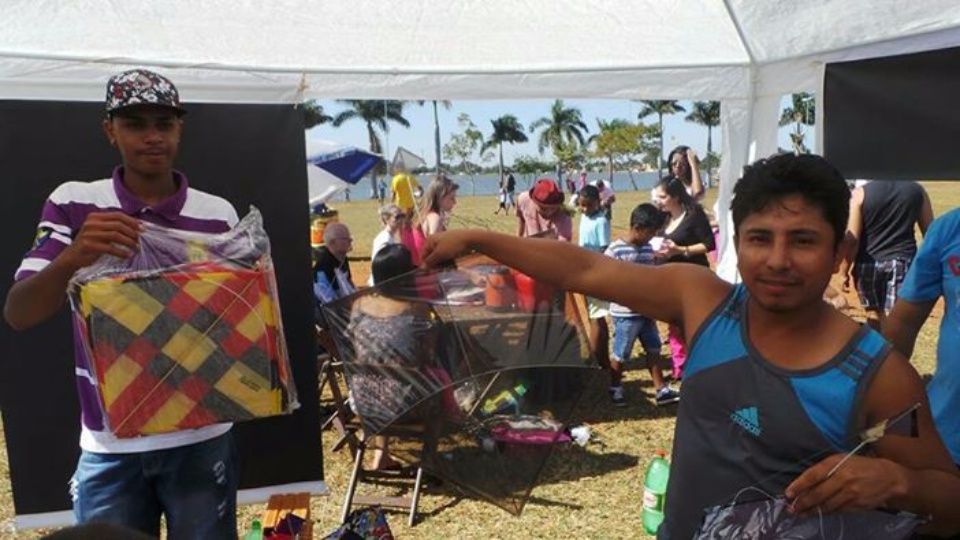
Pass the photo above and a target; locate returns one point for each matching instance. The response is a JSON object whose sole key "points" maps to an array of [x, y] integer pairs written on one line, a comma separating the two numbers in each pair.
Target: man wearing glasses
{"points": [[331, 273]]}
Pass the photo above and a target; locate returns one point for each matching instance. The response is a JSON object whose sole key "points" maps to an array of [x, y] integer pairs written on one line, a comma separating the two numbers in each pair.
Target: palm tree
{"points": [[604, 142], [802, 112], [436, 125], [506, 129], [564, 132], [706, 113], [376, 114], [313, 114], [660, 108]]}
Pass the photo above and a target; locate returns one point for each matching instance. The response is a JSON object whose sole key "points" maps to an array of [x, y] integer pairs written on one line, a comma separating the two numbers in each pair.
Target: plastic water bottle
{"points": [[504, 400], [654, 490], [256, 530]]}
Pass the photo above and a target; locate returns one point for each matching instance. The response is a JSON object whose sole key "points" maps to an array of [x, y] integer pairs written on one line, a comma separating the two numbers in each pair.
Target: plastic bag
{"points": [[770, 518], [367, 523], [186, 332]]}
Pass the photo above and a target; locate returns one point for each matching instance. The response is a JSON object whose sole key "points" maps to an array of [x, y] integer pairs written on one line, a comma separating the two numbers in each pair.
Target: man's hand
{"points": [[112, 233], [444, 247], [861, 483], [33, 300]]}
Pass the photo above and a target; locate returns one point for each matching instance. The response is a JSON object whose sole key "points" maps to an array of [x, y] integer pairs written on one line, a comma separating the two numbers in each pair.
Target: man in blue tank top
{"points": [[778, 383]]}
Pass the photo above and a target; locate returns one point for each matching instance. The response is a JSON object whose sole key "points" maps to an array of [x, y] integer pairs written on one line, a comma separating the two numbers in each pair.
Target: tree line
{"points": [[616, 144]]}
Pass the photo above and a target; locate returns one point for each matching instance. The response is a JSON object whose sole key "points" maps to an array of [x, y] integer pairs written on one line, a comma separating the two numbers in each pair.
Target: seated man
{"points": [[331, 271], [776, 377]]}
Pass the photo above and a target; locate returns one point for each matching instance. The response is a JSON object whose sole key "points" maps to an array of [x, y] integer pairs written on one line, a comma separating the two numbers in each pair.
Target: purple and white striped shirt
{"points": [[64, 212]]}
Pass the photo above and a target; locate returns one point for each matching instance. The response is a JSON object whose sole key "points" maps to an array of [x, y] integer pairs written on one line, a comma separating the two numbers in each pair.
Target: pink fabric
{"points": [[413, 239], [678, 351], [716, 242]]}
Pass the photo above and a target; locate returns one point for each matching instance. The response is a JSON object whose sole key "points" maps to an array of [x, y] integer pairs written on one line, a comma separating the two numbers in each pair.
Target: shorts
{"points": [[878, 283], [597, 309], [626, 330]]}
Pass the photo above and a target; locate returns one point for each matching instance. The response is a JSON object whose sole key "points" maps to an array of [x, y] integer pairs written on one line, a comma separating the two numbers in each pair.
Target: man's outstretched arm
{"points": [[679, 293]]}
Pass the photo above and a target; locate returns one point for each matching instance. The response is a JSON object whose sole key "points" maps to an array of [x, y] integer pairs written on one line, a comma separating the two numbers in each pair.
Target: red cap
{"points": [[546, 192]]}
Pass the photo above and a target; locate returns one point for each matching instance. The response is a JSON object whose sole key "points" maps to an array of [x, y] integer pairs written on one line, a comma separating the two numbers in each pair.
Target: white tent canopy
{"points": [[745, 53]]}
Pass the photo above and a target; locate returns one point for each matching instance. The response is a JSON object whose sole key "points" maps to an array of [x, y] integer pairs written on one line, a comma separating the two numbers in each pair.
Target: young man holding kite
{"points": [[779, 384], [189, 476]]}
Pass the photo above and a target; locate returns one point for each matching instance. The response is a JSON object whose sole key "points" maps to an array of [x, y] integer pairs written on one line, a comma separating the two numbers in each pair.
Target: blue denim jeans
{"points": [[194, 486], [626, 331]]}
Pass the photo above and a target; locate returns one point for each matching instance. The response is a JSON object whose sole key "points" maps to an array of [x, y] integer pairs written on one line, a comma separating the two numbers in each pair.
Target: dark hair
{"points": [[682, 150], [392, 261], [770, 180], [647, 216], [674, 187], [590, 192]]}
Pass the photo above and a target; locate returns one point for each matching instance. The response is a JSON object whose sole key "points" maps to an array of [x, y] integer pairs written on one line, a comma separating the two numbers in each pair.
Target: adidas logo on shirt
{"points": [[748, 418]]}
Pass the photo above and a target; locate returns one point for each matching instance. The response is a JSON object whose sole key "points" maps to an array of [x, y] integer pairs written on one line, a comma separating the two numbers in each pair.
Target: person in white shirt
{"points": [[391, 217]]}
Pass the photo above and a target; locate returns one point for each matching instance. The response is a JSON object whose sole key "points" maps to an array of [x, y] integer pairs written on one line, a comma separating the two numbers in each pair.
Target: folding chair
{"points": [[342, 419], [394, 478], [413, 432]]}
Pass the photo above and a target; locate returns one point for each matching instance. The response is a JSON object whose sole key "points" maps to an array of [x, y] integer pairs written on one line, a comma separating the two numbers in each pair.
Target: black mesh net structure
{"points": [[485, 364]]}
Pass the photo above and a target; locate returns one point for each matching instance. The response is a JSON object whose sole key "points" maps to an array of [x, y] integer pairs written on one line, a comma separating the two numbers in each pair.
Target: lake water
{"points": [[486, 184]]}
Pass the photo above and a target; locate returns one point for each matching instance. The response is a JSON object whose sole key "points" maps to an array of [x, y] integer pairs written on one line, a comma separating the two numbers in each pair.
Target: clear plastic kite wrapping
{"points": [[186, 332]]}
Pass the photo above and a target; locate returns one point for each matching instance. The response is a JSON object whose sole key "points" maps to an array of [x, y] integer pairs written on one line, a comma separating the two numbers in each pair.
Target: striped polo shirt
{"points": [[64, 212], [628, 252]]}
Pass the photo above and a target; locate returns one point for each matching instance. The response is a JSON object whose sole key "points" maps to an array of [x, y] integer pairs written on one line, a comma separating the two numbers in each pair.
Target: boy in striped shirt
{"points": [[628, 325]]}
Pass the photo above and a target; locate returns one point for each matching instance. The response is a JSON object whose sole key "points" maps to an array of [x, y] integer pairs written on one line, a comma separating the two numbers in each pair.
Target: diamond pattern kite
{"points": [[186, 346]]}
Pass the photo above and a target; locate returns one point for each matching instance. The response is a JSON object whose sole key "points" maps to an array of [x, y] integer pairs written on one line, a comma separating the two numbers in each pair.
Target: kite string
{"points": [[754, 487], [196, 342], [868, 436]]}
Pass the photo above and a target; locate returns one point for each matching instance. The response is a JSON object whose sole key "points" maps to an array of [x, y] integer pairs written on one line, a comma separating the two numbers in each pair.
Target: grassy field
{"points": [[584, 493]]}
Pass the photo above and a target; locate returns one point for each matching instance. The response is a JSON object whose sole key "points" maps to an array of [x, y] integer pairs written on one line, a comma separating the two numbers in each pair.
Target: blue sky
{"points": [[418, 138]]}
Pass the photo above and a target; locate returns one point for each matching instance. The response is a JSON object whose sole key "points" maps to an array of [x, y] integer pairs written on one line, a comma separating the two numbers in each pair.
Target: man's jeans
{"points": [[194, 486]]}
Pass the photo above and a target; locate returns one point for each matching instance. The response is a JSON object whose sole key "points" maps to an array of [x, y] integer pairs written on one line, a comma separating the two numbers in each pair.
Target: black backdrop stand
{"points": [[248, 154]]}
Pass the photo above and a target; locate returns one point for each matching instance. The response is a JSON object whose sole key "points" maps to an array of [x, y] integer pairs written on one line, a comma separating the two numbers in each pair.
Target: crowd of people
{"points": [[763, 351], [772, 375]]}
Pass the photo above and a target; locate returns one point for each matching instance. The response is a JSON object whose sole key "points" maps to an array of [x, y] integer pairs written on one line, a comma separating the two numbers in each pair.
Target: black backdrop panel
{"points": [[894, 117], [249, 154]]}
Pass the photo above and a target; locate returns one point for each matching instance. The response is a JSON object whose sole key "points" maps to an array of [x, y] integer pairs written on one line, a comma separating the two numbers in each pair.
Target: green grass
{"points": [[585, 493]]}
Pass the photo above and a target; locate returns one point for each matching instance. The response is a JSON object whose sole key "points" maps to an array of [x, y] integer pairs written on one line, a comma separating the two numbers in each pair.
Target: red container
{"points": [[501, 291], [533, 295]]}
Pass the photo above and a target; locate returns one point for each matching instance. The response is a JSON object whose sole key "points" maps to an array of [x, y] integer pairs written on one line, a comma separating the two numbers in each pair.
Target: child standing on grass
{"points": [[628, 325], [595, 236], [501, 199]]}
